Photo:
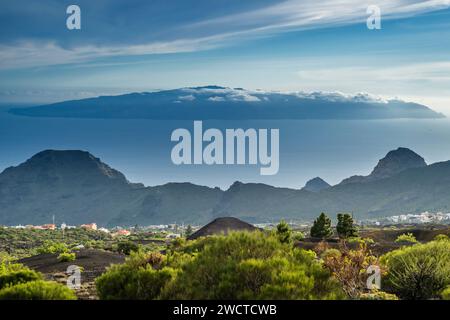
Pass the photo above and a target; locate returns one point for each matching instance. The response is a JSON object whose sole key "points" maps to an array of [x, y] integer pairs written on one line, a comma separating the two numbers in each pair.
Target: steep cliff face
{"points": [[397, 161], [316, 184], [393, 163]]}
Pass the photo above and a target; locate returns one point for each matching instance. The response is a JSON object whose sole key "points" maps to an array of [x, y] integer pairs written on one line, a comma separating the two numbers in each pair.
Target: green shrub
{"points": [[360, 240], [67, 257], [446, 294], [137, 279], [406, 238], [12, 274], [298, 236], [284, 232], [127, 247], [177, 243], [6, 267], [5, 257], [421, 271], [378, 295], [330, 253], [238, 266], [94, 244], [53, 247], [37, 290], [441, 237], [251, 266]]}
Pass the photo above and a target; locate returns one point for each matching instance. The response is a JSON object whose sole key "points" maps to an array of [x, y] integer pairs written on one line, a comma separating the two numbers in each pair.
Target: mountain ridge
{"points": [[316, 184], [77, 187], [394, 162]]}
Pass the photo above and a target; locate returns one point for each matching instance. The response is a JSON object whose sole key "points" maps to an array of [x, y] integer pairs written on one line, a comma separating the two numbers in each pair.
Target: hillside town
{"points": [[421, 218], [171, 231]]}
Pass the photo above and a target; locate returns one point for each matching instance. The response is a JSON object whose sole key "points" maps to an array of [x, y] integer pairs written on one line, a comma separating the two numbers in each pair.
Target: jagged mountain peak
{"points": [[73, 186], [61, 156], [316, 184], [65, 164], [235, 184], [397, 161], [394, 162]]}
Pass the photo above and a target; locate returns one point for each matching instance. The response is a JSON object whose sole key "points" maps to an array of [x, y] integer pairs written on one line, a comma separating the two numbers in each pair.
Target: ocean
{"points": [[331, 149]]}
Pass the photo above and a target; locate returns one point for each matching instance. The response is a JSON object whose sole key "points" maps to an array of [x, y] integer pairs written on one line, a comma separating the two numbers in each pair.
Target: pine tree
{"points": [[188, 231], [284, 232], [345, 227], [321, 227]]}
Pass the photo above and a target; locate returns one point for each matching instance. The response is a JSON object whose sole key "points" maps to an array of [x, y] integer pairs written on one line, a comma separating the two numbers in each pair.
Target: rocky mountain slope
{"points": [[394, 162], [72, 185], [316, 184], [78, 188]]}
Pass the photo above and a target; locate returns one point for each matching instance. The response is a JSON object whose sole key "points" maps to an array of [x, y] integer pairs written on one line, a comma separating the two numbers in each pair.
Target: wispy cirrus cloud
{"points": [[192, 32], [310, 13], [423, 82], [437, 73], [33, 53]]}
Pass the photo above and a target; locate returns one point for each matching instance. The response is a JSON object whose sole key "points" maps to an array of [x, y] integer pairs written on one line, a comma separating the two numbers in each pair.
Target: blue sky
{"points": [[267, 44]]}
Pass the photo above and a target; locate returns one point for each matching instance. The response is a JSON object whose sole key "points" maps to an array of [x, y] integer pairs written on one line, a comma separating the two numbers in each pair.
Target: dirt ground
{"points": [[384, 239], [421, 234], [93, 264]]}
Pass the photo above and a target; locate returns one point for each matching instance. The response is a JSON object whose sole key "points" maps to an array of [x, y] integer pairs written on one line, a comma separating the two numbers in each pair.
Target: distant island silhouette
{"points": [[215, 102]]}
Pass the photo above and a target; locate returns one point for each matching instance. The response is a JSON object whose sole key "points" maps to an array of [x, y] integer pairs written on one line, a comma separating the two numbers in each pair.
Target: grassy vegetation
{"points": [[237, 266], [446, 294], [20, 243], [67, 257], [12, 274], [421, 271], [406, 238], [246, 265], [18, 282], [37, 290]]}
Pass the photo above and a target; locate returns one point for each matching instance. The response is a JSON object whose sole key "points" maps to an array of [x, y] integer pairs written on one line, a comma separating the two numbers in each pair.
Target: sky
{"points": [[302, 45]]}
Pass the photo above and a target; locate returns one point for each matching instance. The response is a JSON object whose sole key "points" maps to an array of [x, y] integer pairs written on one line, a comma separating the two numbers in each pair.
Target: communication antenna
{"points": [[63, 227]]}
